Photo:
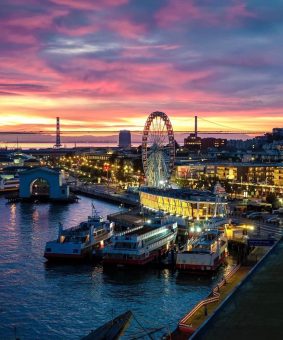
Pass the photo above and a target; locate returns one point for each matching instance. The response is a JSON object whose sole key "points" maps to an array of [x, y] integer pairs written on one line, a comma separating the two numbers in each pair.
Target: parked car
{"points": [[273, 219], [254, 215]]}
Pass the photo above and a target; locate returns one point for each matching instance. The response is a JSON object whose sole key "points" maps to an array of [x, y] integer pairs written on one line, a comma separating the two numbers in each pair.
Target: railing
{"points": [[214, 296], [125, 232]]}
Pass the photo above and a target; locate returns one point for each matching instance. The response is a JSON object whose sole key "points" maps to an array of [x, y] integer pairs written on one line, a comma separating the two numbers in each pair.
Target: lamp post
{"points": [[106, 168]]}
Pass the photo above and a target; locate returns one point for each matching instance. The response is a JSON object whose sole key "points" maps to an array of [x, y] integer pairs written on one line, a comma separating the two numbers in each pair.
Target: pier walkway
{"points": [[105, 193], [201, 312], [254, 309]]}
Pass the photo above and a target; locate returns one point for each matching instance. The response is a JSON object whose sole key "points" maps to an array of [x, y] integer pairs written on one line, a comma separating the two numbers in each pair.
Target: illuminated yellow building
{"points": [[192, 204]]}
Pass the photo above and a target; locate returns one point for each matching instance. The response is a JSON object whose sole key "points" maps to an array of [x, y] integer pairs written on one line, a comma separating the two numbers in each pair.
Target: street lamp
{"points": [[106, 168]]}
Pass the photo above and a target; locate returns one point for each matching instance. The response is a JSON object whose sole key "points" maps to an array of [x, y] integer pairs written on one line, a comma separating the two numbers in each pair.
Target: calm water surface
{"points": [[66, 302]]}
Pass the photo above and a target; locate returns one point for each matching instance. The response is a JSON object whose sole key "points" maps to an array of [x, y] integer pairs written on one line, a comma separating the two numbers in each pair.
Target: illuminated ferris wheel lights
{"points": [[158, 149]]}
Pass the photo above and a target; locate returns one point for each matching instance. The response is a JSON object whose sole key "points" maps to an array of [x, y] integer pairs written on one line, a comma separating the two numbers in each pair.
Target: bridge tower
{"points": [[196, 126], [58, 135]]}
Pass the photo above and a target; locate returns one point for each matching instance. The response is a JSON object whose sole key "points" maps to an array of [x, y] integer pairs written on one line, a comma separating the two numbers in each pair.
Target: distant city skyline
{"points": [[107, 64]]}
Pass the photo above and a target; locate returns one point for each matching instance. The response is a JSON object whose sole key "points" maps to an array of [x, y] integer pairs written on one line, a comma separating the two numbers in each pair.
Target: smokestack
{"points": [[196, 126]]}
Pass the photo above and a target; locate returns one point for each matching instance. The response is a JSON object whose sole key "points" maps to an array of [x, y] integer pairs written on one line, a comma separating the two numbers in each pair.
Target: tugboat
{"points": [[80, 242], [204, 253], [141, 245]]}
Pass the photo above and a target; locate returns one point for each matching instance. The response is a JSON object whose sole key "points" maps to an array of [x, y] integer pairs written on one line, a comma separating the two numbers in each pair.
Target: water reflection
{"points": [[67, 301]]}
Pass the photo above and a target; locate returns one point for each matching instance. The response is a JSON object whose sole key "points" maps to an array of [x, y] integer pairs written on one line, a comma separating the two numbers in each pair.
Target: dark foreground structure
{"points": [[255, 309], [111, 330]]}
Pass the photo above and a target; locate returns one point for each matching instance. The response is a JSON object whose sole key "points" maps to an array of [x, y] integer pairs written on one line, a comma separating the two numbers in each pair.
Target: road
{"points": [[261, 227]]}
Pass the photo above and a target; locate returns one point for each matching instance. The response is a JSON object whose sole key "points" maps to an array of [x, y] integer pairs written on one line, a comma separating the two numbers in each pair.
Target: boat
{"points": [[111, 330], [204, 253], [143, 244], [11, 184], [80, 242]]}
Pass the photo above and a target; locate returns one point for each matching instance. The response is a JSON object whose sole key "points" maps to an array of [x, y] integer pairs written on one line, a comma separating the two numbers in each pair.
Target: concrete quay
{"points": [[198, 316], [251, 308], [106, 194]]}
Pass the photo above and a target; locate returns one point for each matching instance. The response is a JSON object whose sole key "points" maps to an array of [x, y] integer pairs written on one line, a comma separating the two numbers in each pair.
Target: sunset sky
{"points": [[106, 64]]}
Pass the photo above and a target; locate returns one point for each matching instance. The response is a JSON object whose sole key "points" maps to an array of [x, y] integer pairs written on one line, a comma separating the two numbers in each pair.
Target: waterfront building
{"points": [[185, 203], [268, 173], [31, 162], [216, 143], [5, 160], [256, 179], [192, 142], [43, 182], [124, 139]]}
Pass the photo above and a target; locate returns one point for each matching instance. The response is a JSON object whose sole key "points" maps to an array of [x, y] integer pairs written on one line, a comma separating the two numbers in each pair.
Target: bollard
{"points": [[205, 310]]}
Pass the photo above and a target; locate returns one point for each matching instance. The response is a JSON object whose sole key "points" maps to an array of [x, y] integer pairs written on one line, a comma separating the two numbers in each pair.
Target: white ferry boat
{"points": [[82, 241], [204, 253], [11, 184], [141, 245]]}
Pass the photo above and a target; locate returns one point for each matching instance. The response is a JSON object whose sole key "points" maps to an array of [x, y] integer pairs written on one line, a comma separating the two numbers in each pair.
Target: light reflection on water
{"points": [[53, 302]]}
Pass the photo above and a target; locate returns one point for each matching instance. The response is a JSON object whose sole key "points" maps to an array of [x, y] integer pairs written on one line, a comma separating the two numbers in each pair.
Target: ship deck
{"points": [[141, 231]]}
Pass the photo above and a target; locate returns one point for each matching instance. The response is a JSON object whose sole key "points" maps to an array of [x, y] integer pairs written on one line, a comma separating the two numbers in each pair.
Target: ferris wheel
{"points": [[158, 149]]}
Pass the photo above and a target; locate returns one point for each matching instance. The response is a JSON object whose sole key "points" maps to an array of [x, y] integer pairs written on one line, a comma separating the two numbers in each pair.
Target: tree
{"points": [[273, 200]]}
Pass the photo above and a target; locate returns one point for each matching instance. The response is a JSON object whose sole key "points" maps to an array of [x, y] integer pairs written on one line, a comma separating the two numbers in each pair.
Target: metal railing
{"points": [[214, 296]]}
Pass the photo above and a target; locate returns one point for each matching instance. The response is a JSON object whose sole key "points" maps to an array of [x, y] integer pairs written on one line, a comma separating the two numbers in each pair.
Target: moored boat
{"points": [[11, 184], [82, 241], [143, 244], [205, 253]]}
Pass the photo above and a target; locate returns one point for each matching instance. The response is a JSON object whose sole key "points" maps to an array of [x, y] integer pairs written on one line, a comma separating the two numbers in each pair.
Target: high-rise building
{"points": [[124, 139]]}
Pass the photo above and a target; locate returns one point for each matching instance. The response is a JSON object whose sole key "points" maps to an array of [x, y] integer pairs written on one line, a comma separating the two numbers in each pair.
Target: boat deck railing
{"points": [[145, 249]]}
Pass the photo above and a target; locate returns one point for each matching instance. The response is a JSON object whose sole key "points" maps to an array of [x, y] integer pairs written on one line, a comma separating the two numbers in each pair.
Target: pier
{"points": [[229, 307], [104, 193], [254, 309], [126, 219]]}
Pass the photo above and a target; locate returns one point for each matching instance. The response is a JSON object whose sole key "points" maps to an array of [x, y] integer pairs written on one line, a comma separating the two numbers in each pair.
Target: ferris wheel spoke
{"points": [[164, 137]]}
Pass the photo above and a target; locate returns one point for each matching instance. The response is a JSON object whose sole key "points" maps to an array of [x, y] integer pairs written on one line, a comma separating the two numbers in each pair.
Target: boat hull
{"points": [[202, 268], [89, 253], [139, 262], [62, 257]]}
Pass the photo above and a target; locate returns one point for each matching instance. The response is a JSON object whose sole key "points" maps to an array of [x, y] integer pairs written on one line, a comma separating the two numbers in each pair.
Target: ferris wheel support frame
{"points": [[167, 163]]}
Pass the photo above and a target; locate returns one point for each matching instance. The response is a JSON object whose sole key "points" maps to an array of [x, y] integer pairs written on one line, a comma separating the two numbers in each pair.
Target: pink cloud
{"points": [[238, 11], [32, 22], [126, 28], [185, 11], [89, 4]]}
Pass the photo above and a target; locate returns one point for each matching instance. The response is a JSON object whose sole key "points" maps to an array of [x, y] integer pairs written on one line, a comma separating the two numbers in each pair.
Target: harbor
{"points": [[79, 298], [141, 170], [157, 294]]}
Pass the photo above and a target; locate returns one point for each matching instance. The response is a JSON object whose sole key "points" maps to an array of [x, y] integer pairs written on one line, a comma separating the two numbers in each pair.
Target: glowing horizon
{"points": [[105, 65]]}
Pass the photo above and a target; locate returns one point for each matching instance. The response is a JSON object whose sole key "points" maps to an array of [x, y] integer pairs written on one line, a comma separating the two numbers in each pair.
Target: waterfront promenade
{"points": [[254, 309], [105, 193], [201, 312]]}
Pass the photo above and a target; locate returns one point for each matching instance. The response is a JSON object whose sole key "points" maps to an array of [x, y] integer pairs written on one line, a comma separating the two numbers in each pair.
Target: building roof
{"points": [[236, 164], [40, 169], [32, 160], [183, 194]]}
